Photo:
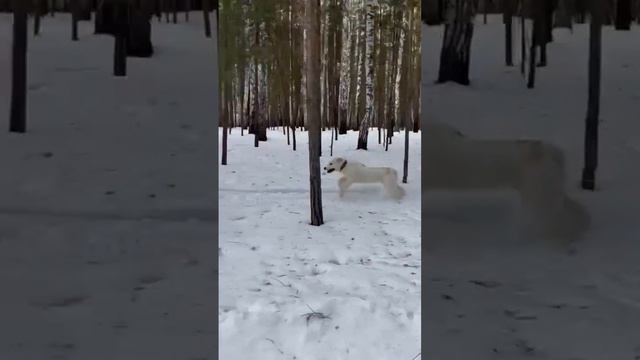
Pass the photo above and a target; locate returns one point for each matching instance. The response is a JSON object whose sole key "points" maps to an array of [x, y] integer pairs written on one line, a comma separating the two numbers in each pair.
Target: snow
{"points": [[108, 203], [359, 273], [486, 288]]}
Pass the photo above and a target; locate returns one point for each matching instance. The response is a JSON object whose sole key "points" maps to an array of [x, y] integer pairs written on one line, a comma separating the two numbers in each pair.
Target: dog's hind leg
{"points": [[391, 187], [343, 184]]}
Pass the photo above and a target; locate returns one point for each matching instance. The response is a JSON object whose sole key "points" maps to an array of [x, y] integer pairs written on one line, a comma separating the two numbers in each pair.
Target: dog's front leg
{"points": [[343, 185]]}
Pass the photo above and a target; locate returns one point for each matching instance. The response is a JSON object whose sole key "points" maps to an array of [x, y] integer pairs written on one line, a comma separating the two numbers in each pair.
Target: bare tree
{"points": [[312, 70], [18, 116], [593, 107], [369, 66], [206, 8], [456, 45]]}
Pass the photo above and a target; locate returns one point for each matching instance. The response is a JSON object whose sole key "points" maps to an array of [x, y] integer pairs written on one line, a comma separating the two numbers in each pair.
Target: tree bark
{"points": [[120, 47], [623, 15], [139, 30], [508, 27], [593, 102], [18, 112], [206, 6], [456, 45], [312, 68], [363, 134], [74, 19]]}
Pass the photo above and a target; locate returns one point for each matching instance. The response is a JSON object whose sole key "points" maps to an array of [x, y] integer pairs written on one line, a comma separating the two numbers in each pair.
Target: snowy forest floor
{"points": [[107, 204], [349, 289], [504, 298]]}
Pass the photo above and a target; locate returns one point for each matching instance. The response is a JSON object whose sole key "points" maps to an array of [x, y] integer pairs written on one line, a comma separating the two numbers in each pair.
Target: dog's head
{"points": [[336, 164]]}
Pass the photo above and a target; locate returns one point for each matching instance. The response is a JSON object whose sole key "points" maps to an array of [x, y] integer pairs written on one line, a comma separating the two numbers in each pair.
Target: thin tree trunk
{"points": [[531, 80], [175, 11], [508, 27], [74, 19], [206, 6], [313, 107], [120, 46], [523, 39], [39, 9], [18, 115], [593, 107]]}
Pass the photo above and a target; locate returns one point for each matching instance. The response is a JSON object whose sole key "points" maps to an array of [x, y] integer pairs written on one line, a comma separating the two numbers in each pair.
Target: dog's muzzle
{"points": [[329, 171]]}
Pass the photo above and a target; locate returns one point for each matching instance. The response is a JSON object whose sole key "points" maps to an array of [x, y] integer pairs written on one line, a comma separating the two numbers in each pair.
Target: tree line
{"points": [[369, 70], [128, 21], [538, 18]]}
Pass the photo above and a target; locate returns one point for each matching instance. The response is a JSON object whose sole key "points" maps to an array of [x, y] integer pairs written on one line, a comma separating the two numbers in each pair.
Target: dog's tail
{"points": [[570, 223], [395, 191]]}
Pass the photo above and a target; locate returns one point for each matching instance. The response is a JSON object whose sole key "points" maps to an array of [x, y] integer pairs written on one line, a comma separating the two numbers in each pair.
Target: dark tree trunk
{"points": [[342, 127], [224, 118], [206, 5], [508, 27], [485, 11], [104, 21], [456, 53], [623, 15], [456, 46], [581, 11], [544, 28], [405, 168], [139, 30], [38, 11], [121, 31], [175, 11], [593, 105], [523, 46], [531, 80], [18, 115], [74, 19], [313, 69], [83, 10]]}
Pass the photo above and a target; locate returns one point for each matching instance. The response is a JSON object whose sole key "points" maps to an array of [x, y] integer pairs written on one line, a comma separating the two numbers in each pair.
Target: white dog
{"points": [[534, 169], [354, 172]]}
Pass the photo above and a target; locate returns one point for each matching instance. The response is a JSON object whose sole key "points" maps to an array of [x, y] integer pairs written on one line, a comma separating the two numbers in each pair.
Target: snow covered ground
{"points": [[349, 289], [490, 295], [107, 205]]}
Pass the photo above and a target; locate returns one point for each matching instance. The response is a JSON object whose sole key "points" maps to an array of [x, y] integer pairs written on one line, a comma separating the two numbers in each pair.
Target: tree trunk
{"points": [[40, 8], [18, 115], [74, 19], [175, 11], [206, 6], [312, 68], [120, 48], [223, 117], [563, 14], [363, 134], [523, 40], [456, 45], [593, 104], [531, 80], [508, 27], [139, 30], [623, 15]]}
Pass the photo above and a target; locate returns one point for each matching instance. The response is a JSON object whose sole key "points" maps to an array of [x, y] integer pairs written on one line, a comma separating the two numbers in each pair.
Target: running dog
{"points": [[354, 172], [532, 168]]}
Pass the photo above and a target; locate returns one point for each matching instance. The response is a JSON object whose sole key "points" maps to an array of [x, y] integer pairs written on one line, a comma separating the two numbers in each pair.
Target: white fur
{"points": [[532, 168], [354, 172]]}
